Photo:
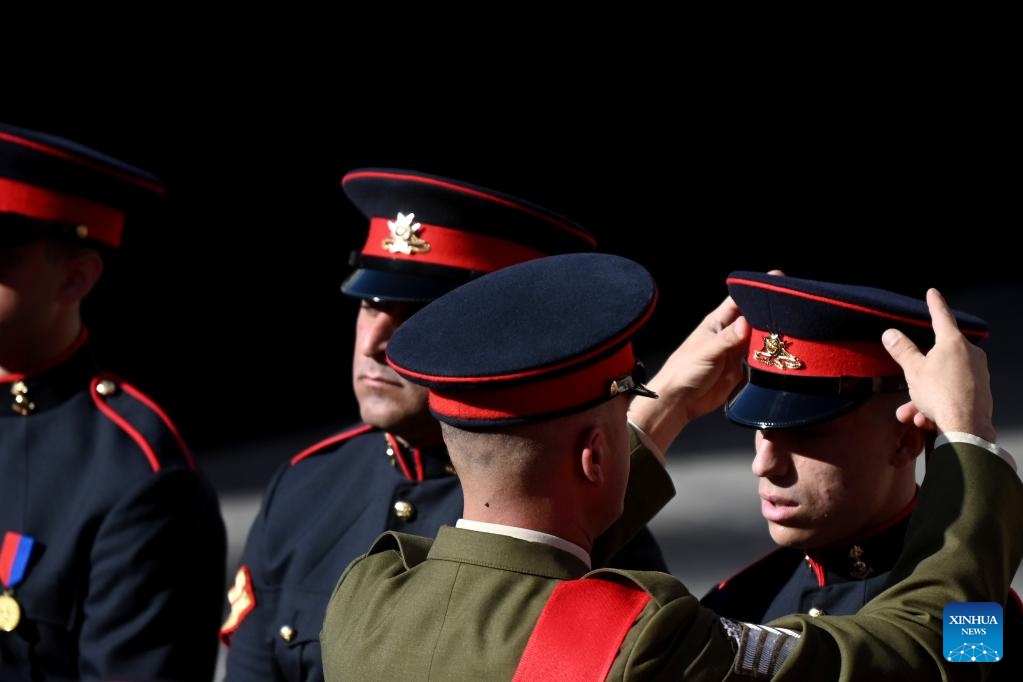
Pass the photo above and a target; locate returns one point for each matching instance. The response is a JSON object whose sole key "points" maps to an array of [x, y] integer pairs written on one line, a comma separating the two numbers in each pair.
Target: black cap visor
{"points": [[773, 401], [382, 285], [771, 408]]}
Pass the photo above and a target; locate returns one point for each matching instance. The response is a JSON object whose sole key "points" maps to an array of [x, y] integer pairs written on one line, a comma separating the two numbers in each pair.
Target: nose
{"points": [[375, 331], [771, 460]]}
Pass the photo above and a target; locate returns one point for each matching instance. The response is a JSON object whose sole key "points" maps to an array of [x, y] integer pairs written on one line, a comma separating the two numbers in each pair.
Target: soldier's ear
{"points": [[593, 457], [81, 274], [911, 441]]}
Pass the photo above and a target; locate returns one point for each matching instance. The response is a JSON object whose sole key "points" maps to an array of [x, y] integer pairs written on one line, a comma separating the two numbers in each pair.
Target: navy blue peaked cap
{"points": [[816, 352], [529, 342], [429, 234], [52, 185]]}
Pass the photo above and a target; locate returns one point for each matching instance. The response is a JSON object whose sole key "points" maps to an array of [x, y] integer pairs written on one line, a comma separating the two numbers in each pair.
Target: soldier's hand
{"points": [[949, 387], [697, 378]]}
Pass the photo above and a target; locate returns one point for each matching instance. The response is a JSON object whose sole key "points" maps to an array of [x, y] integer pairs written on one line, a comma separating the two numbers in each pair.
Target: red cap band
{"points": [[452, 248], [557, 394], [786, 355], [104, 223]]}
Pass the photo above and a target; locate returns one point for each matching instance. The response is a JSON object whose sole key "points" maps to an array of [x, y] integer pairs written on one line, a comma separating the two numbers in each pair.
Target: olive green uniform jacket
{"points": [[463, 607]]}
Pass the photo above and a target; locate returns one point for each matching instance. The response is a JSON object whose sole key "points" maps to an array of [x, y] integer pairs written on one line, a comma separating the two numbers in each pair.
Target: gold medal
{"points": [[10, 612]]}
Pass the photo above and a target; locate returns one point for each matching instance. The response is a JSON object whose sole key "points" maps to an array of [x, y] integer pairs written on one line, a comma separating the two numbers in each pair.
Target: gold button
{"points": [[814, 612], [22, 405], [287, 633], [106, 387], [404, 510], [82, 231]]}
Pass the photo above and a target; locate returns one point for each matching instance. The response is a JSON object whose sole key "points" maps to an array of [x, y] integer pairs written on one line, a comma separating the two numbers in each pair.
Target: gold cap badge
{"points": [[774, 353]]}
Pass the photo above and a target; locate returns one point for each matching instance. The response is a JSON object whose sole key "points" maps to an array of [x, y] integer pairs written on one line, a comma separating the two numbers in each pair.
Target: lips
{"points": [[376, 375], [378, 381], [778, 509]]}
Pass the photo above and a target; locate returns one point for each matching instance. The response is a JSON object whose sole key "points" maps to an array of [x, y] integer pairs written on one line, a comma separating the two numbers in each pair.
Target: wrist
{"points": [[982, 428], [661, 420]]}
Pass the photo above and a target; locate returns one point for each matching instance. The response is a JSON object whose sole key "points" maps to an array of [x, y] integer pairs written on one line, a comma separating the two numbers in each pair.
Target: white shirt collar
{"points": [[527, 535]]}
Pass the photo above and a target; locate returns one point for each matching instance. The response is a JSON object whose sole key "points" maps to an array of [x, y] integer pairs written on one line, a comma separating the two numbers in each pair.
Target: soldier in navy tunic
{"points": [[837, 470], [328, 504], [112, 545]]}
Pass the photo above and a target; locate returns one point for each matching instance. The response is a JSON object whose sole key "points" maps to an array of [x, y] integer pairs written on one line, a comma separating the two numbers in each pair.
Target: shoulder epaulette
{"points": [[661, 587], [108, 391], [412, 548], [332, 440]]}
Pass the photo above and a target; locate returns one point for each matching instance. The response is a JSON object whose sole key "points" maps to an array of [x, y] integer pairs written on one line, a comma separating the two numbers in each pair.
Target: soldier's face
{"points": [[386, 400], [30, 291], [830, 482]]}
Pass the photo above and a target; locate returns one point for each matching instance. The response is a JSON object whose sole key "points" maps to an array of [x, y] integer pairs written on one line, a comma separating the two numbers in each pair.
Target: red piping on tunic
{"points": [[313, 449], [154, 462], [392, 442], [144, 399]]}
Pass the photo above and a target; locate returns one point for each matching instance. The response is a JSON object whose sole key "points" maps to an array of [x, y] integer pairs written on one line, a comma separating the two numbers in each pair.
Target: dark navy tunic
{"points": [[125, 577], [322, 510], [838, 581]]}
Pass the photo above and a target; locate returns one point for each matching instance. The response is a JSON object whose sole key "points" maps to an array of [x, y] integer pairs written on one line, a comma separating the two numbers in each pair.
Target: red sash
{"points": [[580, 630]]}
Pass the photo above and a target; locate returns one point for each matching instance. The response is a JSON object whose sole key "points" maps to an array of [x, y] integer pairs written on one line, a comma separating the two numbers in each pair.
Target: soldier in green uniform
{"points": [[531, 402]]}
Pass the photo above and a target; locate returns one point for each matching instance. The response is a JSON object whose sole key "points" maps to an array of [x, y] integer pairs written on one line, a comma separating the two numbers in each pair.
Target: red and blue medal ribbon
{"points": [[14, 555]]}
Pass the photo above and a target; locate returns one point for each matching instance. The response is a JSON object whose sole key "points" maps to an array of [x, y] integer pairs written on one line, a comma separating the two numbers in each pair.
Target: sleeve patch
{"points": [[242, 601], [760, 650]]}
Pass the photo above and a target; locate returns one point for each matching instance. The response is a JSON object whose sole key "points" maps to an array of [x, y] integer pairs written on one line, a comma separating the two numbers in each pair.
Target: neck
{"points": [[539, 513], [901, 505], [35, 352], [898, 504]]}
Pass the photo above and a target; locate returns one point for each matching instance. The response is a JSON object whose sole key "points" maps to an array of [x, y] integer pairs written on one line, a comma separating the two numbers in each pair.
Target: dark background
{"points": [[224, 303]]}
